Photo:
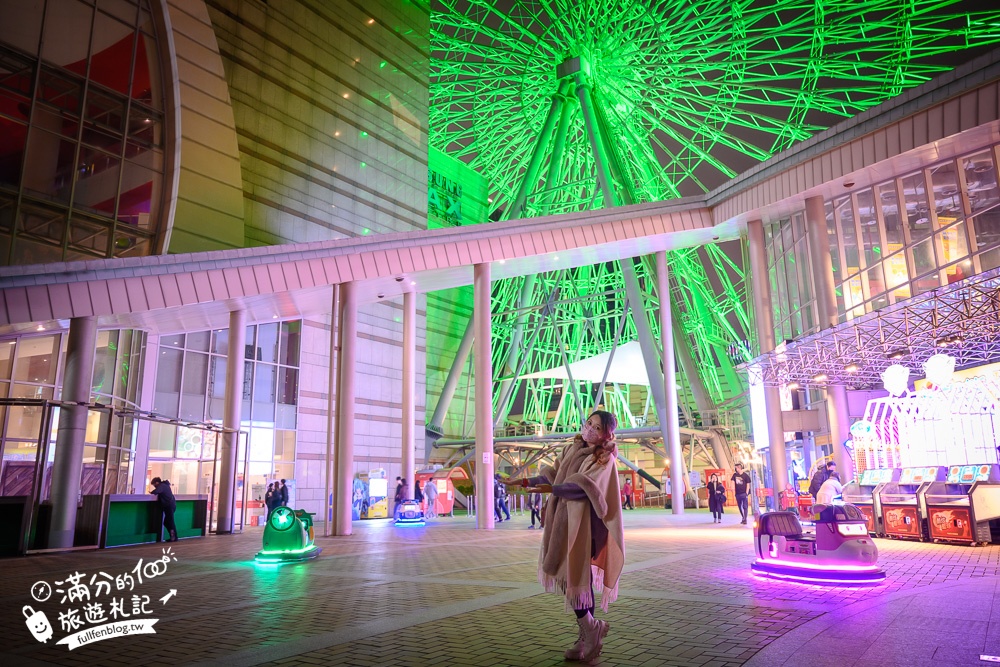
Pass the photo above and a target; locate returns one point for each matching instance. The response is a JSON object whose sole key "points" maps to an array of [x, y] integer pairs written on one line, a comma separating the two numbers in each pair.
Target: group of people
{"points": [[825, 485], [276, 496], [717, 494], [429, 494]]}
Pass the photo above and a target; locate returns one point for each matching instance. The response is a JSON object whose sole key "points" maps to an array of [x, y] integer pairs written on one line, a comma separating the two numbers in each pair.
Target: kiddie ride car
{"points": [[288, 537], [409, 514], [840, 553]]}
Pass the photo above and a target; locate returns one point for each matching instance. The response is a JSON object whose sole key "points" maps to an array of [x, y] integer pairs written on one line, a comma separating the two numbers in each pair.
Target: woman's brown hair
{"points": [[604, 451]]}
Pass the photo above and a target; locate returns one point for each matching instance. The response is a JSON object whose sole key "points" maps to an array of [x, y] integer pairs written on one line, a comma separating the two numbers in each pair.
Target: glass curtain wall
{"points": [[31, 367], [81, 130], [191, 385], [897, 239]]}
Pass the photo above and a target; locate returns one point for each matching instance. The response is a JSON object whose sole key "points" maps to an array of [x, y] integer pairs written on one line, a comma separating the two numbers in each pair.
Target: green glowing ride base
{"points": [[288, 537]]}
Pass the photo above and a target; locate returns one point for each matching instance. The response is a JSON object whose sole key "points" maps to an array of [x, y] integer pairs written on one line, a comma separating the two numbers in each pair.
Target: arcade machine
{"points": [[902, 516], [376, 505], [863, 494], [960, 508]]}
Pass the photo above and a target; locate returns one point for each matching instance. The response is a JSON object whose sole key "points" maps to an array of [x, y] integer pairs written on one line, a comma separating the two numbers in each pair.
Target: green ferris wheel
{"points": [[572, 105]]}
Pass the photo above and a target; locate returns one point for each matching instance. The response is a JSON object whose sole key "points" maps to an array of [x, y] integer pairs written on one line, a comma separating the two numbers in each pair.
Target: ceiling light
{"points": [[792, 386], [851, 368], [371, 21], [897, 354], [40, 328], [820, 377]]}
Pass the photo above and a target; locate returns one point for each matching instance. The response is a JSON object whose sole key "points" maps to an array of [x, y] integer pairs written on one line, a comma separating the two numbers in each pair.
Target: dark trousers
{"points": [[741, 502], [536, 513], [168, 520], [628, 502]]}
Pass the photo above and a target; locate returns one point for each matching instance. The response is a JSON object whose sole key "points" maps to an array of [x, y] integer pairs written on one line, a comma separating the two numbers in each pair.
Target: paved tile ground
{"points": [[447, 594]]}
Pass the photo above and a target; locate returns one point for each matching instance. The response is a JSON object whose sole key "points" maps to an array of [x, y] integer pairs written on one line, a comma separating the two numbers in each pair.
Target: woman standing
{"points": [[716, 498], [583, 543]]}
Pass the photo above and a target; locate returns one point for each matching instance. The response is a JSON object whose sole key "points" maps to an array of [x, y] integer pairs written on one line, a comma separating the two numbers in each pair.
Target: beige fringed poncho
{"points": [[583, 537]]}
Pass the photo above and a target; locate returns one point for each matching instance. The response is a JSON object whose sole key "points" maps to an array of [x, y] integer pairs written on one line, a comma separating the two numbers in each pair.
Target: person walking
{"points": [[418, 495], [282, 495], [535, 505], [716, 498], [430, 495], [583, 542], [168, 505], [402, 493], [627, 492], [398, 497], [500, 498], [269, 499], [821, 476], [741, 489]]}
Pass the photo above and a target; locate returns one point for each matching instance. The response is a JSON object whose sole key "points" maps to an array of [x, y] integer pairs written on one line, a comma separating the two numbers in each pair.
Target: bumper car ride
{"points": [[288, 537]]}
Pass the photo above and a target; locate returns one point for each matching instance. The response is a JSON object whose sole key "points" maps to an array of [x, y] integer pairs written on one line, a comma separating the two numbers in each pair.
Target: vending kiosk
{"points": [[376, 502], [863, 494], [960, 508], [902, 515]]}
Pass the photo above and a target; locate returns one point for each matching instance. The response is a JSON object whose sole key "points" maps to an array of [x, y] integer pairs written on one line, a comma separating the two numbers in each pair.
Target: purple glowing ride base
{"points": [[830, 576], [840, 553]]}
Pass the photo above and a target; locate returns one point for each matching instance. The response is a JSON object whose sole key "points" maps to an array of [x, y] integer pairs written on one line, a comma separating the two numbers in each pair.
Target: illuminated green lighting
{"points": [[363, 133], [366, 231], [363, 165], [685, 96], [382, 64]]}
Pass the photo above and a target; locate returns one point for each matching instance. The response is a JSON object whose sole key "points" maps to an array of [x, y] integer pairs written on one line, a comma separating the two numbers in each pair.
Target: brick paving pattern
{"points": [[450, 595]]}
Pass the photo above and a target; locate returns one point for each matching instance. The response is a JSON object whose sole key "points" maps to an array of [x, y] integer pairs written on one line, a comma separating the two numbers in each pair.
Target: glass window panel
{"points": [[954, 243], [161, 440], [145, 130], [15, 136], [220, 341], [172, 340], [62, 90], [37, 359], [36, 251], [284, 446], [901, 293], [105, 111], [50, 164], [189, 443], [111, 62], [831, 228], [96, 181], [105, 360], [291, 339], [981, 181], [853, 294], [868, 218], [782, 291], [958, 271], [987, 226], [990, 259], [265, 382], [947, 195], [792, 279], [195, 386], [922, 255], [138, 203], [6, 361], [288, 391], [804, 271], [216, 388], [267, 342], [889, 201], [57, 121], [88, 236], [786, 234], [917, 211], [848, 235], [25, 422], [248, 371], [168, 382], [798, 225], [876, 281], [124, 10], [925, 284], [146, 86], [249, 351], [22, 24], [879, 302], [895, 270], [199, 340], [13, 104], [67, 34]]}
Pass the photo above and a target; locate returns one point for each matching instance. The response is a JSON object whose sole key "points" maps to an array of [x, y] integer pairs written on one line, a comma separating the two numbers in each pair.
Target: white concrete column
{"points": [[765, 335], [409, 387], [483, 357], [331, 411], [673, 444], [235, 359], [826, 306], [67, 465], [344, 466]]}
